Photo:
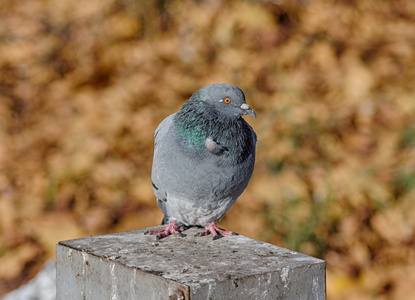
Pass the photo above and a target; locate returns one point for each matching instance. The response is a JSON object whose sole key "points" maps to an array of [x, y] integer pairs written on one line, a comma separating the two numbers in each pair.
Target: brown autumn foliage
{"points": [[83, 85]]}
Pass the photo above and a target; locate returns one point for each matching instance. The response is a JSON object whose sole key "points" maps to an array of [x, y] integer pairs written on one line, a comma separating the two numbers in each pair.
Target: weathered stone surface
{"points": [[131, 265]]}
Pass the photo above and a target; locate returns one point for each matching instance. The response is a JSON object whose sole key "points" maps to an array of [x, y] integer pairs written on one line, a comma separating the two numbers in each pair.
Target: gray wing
{"points": [[160, 143]]}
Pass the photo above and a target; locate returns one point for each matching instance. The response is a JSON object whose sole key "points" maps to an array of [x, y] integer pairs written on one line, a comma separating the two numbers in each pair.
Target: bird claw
{"points": [[216, 232], [163, 234], [172, 228]]}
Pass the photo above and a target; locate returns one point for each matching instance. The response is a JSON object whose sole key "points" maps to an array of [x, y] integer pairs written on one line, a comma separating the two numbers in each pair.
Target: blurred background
{"points": [[84, 84]]}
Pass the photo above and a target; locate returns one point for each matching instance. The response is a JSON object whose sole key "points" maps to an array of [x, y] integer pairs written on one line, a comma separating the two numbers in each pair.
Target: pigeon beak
{"points": [[247, 110]]}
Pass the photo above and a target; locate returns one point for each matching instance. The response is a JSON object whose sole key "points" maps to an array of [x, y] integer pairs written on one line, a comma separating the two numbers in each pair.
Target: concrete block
{"points": [[131, 265]]}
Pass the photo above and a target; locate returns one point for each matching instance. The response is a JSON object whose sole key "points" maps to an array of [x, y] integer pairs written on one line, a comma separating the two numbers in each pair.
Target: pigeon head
{"points": [[212, 118], [225, 100]]}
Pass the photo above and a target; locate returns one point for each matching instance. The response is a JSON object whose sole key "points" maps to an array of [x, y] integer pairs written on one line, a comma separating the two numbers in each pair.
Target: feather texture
{"points": [[204, 156]]}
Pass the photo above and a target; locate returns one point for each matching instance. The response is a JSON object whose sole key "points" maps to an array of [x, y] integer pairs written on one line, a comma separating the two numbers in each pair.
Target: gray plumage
{"points": [[204, 156]]}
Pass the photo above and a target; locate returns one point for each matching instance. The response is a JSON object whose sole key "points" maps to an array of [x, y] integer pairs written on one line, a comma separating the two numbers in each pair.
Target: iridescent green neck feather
{"points": [[197, 120]]}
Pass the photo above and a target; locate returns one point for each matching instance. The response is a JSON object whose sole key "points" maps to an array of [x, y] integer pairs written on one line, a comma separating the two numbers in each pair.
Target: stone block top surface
{"points": [[192, 259]]}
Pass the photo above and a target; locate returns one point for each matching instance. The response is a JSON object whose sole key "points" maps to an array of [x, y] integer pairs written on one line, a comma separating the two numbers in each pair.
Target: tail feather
{"points": [[165, 220]]}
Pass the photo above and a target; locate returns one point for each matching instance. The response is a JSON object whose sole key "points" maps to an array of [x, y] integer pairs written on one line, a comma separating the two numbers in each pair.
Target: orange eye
{"points": [[227, 100]]}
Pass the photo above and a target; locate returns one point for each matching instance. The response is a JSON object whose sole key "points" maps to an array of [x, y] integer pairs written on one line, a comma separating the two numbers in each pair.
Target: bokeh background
{"points": [[84, 84]]}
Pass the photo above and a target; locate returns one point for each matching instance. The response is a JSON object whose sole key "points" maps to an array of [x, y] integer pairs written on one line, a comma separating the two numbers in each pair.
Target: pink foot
{"points": [[215, 231], [172, 228]]}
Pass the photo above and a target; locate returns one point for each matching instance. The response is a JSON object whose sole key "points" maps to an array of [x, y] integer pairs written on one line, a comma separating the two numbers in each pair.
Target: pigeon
{"points": [[204, 156]]}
